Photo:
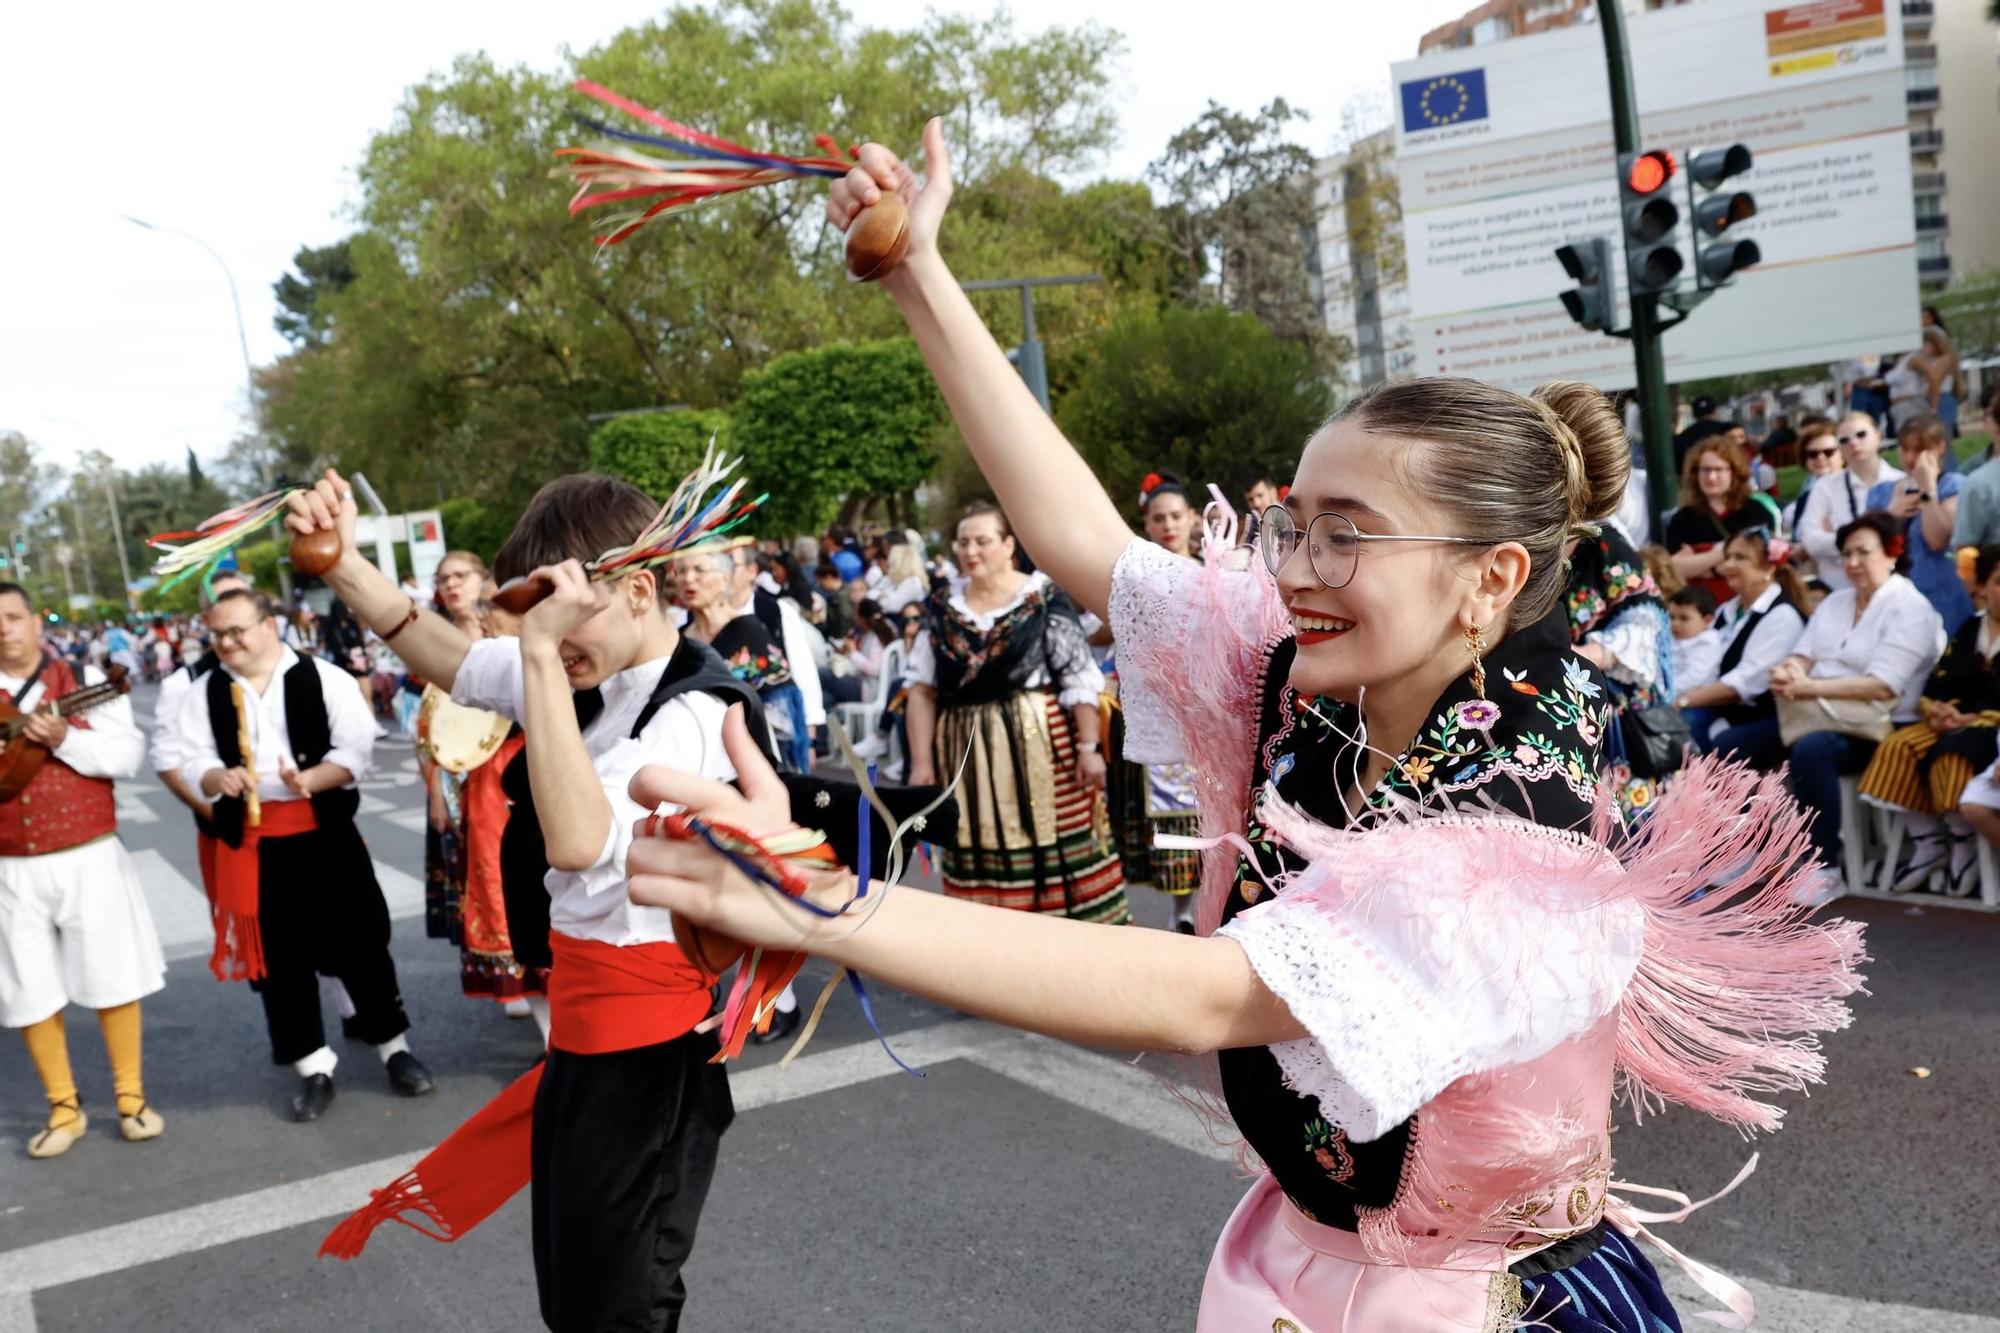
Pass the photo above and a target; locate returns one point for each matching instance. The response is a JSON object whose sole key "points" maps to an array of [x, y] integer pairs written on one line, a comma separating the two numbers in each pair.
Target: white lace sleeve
{"points": [[1154, 620], [1419, 977]]}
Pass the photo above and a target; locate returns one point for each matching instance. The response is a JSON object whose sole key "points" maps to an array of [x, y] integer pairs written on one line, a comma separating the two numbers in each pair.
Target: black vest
{"points": [[1748, 710], [311, 735], [764, 606]]}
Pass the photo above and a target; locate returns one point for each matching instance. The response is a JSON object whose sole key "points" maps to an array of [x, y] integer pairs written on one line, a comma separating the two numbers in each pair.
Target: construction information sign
{"points": [[1505, 152]]}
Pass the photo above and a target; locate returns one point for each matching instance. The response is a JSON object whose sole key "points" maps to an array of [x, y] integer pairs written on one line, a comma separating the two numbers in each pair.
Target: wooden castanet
{"points": [[313, 553], [710, 950], [522, 595], [22, 758], [878, 239]]}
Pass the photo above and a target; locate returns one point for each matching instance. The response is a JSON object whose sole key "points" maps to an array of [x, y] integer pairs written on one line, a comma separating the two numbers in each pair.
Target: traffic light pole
{"points": [[1649, 358]]}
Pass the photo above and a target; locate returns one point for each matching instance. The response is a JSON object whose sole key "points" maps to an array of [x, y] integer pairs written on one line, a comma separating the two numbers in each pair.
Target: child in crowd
{"points": [[1697, 647]]}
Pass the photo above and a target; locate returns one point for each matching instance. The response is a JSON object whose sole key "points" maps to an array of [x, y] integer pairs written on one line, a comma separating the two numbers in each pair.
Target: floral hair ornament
{"points": [[1778, 550], [1894, 547]]}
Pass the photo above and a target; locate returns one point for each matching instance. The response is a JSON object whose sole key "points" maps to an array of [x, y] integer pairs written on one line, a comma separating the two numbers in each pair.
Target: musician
{"points": [[74, 926], [617, 1134], [295, 891]]}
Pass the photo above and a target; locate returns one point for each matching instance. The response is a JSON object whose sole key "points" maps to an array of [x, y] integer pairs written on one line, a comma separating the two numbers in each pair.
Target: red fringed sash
{"points": [[602, 998], [230, 875]]}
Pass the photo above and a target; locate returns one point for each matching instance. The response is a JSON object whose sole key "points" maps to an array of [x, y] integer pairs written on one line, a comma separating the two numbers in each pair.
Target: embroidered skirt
{"points": [[1030, 836], [1133, 794], [1275, 1269]]}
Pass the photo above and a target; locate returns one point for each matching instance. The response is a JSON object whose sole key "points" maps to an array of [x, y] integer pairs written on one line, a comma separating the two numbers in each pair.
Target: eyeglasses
{"points": [[1862, 434], [234, 633], [975, 543], [455, 576], [1822, 453], [1333, 543]]}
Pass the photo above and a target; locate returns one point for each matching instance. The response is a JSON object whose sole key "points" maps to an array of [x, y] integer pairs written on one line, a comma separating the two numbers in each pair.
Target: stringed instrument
{"points": [[23, 758]]}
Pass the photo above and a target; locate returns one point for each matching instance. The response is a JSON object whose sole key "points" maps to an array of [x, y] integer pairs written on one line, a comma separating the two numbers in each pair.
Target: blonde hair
{"points": [[905, 562], [1540, 469]]}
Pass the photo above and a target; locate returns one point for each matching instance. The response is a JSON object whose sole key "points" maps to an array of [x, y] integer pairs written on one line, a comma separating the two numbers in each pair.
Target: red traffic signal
{"points": [[1647, 172]]}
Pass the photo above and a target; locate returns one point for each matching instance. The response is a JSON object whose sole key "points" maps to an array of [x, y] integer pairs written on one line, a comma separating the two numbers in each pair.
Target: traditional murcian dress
{"points": [[1925, 771], [296, 896], [756, 656], [616, 1132], [1479, 958], [1612, 602], [488, 966], [1030, 836], [74, 924]]}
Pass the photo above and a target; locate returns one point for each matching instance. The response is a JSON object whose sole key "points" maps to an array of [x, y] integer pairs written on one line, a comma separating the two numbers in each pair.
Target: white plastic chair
{"points": [[859, 720]]}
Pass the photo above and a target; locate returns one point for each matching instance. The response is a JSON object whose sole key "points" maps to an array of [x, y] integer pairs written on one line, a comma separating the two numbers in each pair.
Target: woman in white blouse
{"points": [[1877, 639], [905, 583], [1758, 626], [1839, 499]]}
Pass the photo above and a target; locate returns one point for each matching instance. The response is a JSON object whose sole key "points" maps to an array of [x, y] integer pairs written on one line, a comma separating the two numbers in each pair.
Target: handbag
{"points": [[1658, 740], [1864, 719]]}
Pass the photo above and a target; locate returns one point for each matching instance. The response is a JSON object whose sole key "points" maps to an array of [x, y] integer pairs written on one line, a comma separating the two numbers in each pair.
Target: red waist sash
{"points": [[602, 998], [232, 887]]}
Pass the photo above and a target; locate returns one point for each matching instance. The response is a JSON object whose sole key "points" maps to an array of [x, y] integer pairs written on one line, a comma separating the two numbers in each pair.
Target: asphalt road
{"points": [[1020, 1184]]}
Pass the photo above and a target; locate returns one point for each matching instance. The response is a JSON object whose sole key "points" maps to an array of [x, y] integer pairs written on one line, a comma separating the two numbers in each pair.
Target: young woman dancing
{"points": [[1427, 958]]}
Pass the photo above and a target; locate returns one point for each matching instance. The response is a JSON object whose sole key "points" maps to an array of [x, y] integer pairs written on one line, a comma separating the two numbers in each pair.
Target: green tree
{"points": [[473, 525], [1242, 204], [318, 270], [482, 330], [1971, 310], [1197, 391], [828, 431], [654, 450]]}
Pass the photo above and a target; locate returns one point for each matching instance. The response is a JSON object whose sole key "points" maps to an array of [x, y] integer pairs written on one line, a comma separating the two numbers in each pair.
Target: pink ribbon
{"points": [[1633, 1222]]}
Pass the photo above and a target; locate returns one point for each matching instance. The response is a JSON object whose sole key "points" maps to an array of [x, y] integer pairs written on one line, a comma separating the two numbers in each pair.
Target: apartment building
{"points": [[1358, 265]]}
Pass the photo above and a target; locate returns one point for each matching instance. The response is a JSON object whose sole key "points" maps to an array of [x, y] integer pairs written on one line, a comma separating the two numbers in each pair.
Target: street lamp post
{"points": [[249, 371]]}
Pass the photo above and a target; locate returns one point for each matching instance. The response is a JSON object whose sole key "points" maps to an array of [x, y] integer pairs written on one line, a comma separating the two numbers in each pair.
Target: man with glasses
{"points": [[294, 890], [1841, 498], [74, 927]]}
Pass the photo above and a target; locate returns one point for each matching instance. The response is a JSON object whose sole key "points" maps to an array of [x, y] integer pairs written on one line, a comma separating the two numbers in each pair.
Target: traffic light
{"points": [[1592, 302], [1652, 257], [1717, 209]]}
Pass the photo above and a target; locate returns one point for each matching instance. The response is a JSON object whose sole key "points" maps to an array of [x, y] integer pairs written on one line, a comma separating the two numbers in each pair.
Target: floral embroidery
{"points": [[1328, 1147], [1477, 714]]}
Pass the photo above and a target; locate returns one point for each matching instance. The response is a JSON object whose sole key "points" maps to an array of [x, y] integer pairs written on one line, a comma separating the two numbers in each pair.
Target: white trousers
{"points": [[74, 929]]}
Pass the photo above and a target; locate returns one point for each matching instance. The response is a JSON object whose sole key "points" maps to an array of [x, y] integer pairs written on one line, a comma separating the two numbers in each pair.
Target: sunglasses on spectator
{"points": [[1862, 434], [1822, 453]]}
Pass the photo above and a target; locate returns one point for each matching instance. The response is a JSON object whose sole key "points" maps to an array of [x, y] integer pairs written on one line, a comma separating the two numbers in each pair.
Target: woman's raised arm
{"points": [[1055, 503]]}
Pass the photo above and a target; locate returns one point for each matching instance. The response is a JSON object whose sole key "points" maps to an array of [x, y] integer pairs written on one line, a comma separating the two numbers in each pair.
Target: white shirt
{"points": [[167, 755], [894, 598], [350, 728], [799, 654], [1833, 502], [1771, 641], [109, 745], [686, 733], [1079, 682], [1696, 659], [1898, 639]]}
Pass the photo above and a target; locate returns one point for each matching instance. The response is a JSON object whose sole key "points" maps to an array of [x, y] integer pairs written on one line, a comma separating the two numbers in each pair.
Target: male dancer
{"points": [[295, 892], [74, 926], [617, 1131]]}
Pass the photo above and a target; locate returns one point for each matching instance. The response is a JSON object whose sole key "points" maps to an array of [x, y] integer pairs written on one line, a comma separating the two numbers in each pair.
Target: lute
{"points": [[23, 758]]}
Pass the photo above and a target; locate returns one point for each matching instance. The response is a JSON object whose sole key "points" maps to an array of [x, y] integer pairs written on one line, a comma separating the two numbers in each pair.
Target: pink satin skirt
{"points": [[1276, 1271]]}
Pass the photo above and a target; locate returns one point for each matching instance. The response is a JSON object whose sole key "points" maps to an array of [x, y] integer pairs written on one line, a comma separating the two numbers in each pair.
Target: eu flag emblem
{"points": [[1444, 99]]}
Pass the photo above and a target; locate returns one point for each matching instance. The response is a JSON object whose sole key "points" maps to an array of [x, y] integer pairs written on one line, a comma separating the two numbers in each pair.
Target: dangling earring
{"points": [[1475, 643]]}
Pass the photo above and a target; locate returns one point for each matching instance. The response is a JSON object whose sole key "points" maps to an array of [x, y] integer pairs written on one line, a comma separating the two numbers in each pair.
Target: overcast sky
{"points": [[241, 124]]}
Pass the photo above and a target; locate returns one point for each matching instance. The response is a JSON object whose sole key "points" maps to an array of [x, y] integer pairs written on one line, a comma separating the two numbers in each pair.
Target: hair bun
{"points": [[1597, 454]]}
